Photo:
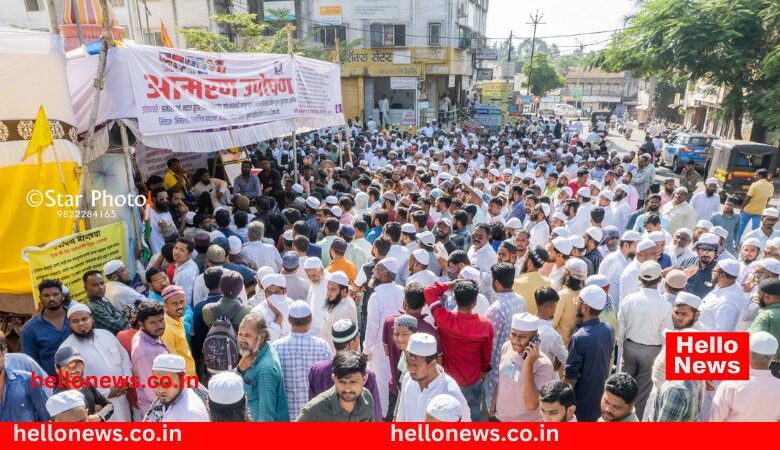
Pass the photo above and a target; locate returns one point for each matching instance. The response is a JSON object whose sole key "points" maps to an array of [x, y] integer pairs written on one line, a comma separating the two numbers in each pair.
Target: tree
{"points": [[543, 77], [665, 90], [730, 43], [253, 37]]}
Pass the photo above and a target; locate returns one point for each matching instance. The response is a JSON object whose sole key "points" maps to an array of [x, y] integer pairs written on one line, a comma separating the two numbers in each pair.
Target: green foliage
{"points": [[253, 37], [544, 76], [734, 43]]}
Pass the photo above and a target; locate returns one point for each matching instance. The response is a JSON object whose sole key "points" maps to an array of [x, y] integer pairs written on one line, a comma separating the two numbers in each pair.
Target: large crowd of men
{"points": [[525, 275]]}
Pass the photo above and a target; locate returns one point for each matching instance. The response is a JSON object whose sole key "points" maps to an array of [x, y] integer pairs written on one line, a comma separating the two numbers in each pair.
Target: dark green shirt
{"points": [[325, 408]]}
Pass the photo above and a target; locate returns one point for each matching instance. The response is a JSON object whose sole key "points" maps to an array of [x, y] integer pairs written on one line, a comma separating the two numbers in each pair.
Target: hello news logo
{"points": [[707, 356]]}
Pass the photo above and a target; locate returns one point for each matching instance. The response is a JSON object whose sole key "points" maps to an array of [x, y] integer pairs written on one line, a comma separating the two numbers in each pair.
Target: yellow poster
{"points": [[495, 92], [66, 259]]}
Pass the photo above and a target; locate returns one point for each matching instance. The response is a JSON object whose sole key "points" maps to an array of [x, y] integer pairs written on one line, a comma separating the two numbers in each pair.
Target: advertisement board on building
{"points": [[330, 15], [487, 54], [403, 83], [371, 9], [489, 116], [484, 74], [495, 92]]}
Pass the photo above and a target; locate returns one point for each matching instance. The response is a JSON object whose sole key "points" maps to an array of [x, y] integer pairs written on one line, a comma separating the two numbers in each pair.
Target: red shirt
{"points": [[466, 339], [125, 337], [575, 187]]}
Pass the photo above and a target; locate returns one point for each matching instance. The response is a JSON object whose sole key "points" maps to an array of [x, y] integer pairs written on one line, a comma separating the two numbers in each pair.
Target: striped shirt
{"points": [[298, 352]]}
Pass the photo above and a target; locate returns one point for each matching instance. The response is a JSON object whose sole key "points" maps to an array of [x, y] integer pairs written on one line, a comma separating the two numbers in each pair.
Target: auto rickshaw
{"points": [[595, 116], [734, 163]]}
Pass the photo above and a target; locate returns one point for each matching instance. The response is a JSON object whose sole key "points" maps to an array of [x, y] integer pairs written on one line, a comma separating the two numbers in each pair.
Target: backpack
{"points": [[220, 348]]}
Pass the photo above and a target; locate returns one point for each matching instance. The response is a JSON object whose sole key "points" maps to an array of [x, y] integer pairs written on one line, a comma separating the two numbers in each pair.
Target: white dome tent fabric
{"points": [[33, 75]]}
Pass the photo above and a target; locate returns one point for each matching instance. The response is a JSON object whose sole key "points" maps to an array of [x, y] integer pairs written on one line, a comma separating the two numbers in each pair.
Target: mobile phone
{"points": [[534, 341]]}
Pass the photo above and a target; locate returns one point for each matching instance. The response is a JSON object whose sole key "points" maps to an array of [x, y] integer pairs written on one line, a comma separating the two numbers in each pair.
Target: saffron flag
{"points": [[41, 136], [164, 36]]}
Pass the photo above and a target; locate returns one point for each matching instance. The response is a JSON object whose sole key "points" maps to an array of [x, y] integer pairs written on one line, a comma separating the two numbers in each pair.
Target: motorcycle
{"points": [[627, 134]]}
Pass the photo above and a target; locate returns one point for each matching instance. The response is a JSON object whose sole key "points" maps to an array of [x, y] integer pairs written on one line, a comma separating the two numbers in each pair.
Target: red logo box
{"points": [[707, 356]]}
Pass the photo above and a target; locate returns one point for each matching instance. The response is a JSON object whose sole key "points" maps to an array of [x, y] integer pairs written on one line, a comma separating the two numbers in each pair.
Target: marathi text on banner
{"points": [[179, 90], [66, 259]]}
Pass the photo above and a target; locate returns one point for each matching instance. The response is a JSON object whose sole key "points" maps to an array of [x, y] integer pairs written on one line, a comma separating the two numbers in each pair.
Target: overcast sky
{"points": [[560, 17]]}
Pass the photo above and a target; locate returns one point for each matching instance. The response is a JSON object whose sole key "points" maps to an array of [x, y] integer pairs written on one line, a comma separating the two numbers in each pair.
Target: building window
{"points": [[388, 35], [464, 37], [434, 34], [34, 5], [153, 38], [327, 35]]}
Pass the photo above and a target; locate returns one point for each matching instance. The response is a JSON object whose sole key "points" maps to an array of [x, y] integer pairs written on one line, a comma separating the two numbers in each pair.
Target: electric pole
{"points": [[509, 56], [535, 20], [579, 71]]}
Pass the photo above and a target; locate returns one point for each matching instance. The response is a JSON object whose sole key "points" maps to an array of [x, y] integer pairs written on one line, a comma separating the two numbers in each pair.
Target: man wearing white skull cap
{"points": [[275, 308], [388, 298], [721, 308], [753, 400], [523, 370], [590, 353], [424, 380]]}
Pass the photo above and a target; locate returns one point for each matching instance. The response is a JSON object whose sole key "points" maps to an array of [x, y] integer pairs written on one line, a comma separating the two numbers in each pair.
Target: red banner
{"points": [[324, 436]]}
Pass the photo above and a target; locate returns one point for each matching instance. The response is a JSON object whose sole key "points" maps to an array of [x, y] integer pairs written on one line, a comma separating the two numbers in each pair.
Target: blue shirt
{"points": [[40, 340], [372, 234], [517, 210], [639, 223], [21, 401], [264, 389], [21, 361], [665, 261], [700, 283], [314, 227], [249, 187], [200, 330], [731, 224], [590, 353]]}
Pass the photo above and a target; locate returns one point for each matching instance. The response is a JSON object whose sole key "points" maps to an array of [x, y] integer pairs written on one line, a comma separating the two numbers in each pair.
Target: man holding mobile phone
{"points": [[522, 371]]}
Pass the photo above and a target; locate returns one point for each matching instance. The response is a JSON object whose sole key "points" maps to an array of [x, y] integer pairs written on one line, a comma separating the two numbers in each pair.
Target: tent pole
{"points": [[108, 41], [130, 182]]}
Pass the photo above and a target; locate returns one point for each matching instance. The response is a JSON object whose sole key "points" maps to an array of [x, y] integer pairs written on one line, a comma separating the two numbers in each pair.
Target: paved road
{"points": [[622, 145]]}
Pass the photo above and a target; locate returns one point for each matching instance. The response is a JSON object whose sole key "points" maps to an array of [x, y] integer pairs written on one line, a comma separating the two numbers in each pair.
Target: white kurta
{"points": [[413, 401], [721, 308], [483, 259], [120, 294], [187, 407], [612, 267], [387, 299], [274, 331], [316, 298], [104, 356], [538, 235], [346, 309], [629, 280]]}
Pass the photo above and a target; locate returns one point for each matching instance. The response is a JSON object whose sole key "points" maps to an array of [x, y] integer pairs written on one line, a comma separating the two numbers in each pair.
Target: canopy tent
{"points": [[189, 101], [32, 74]]}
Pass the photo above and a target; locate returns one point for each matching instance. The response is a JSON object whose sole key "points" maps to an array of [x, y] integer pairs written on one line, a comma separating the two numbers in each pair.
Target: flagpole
{"points": [[290, 28]]}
